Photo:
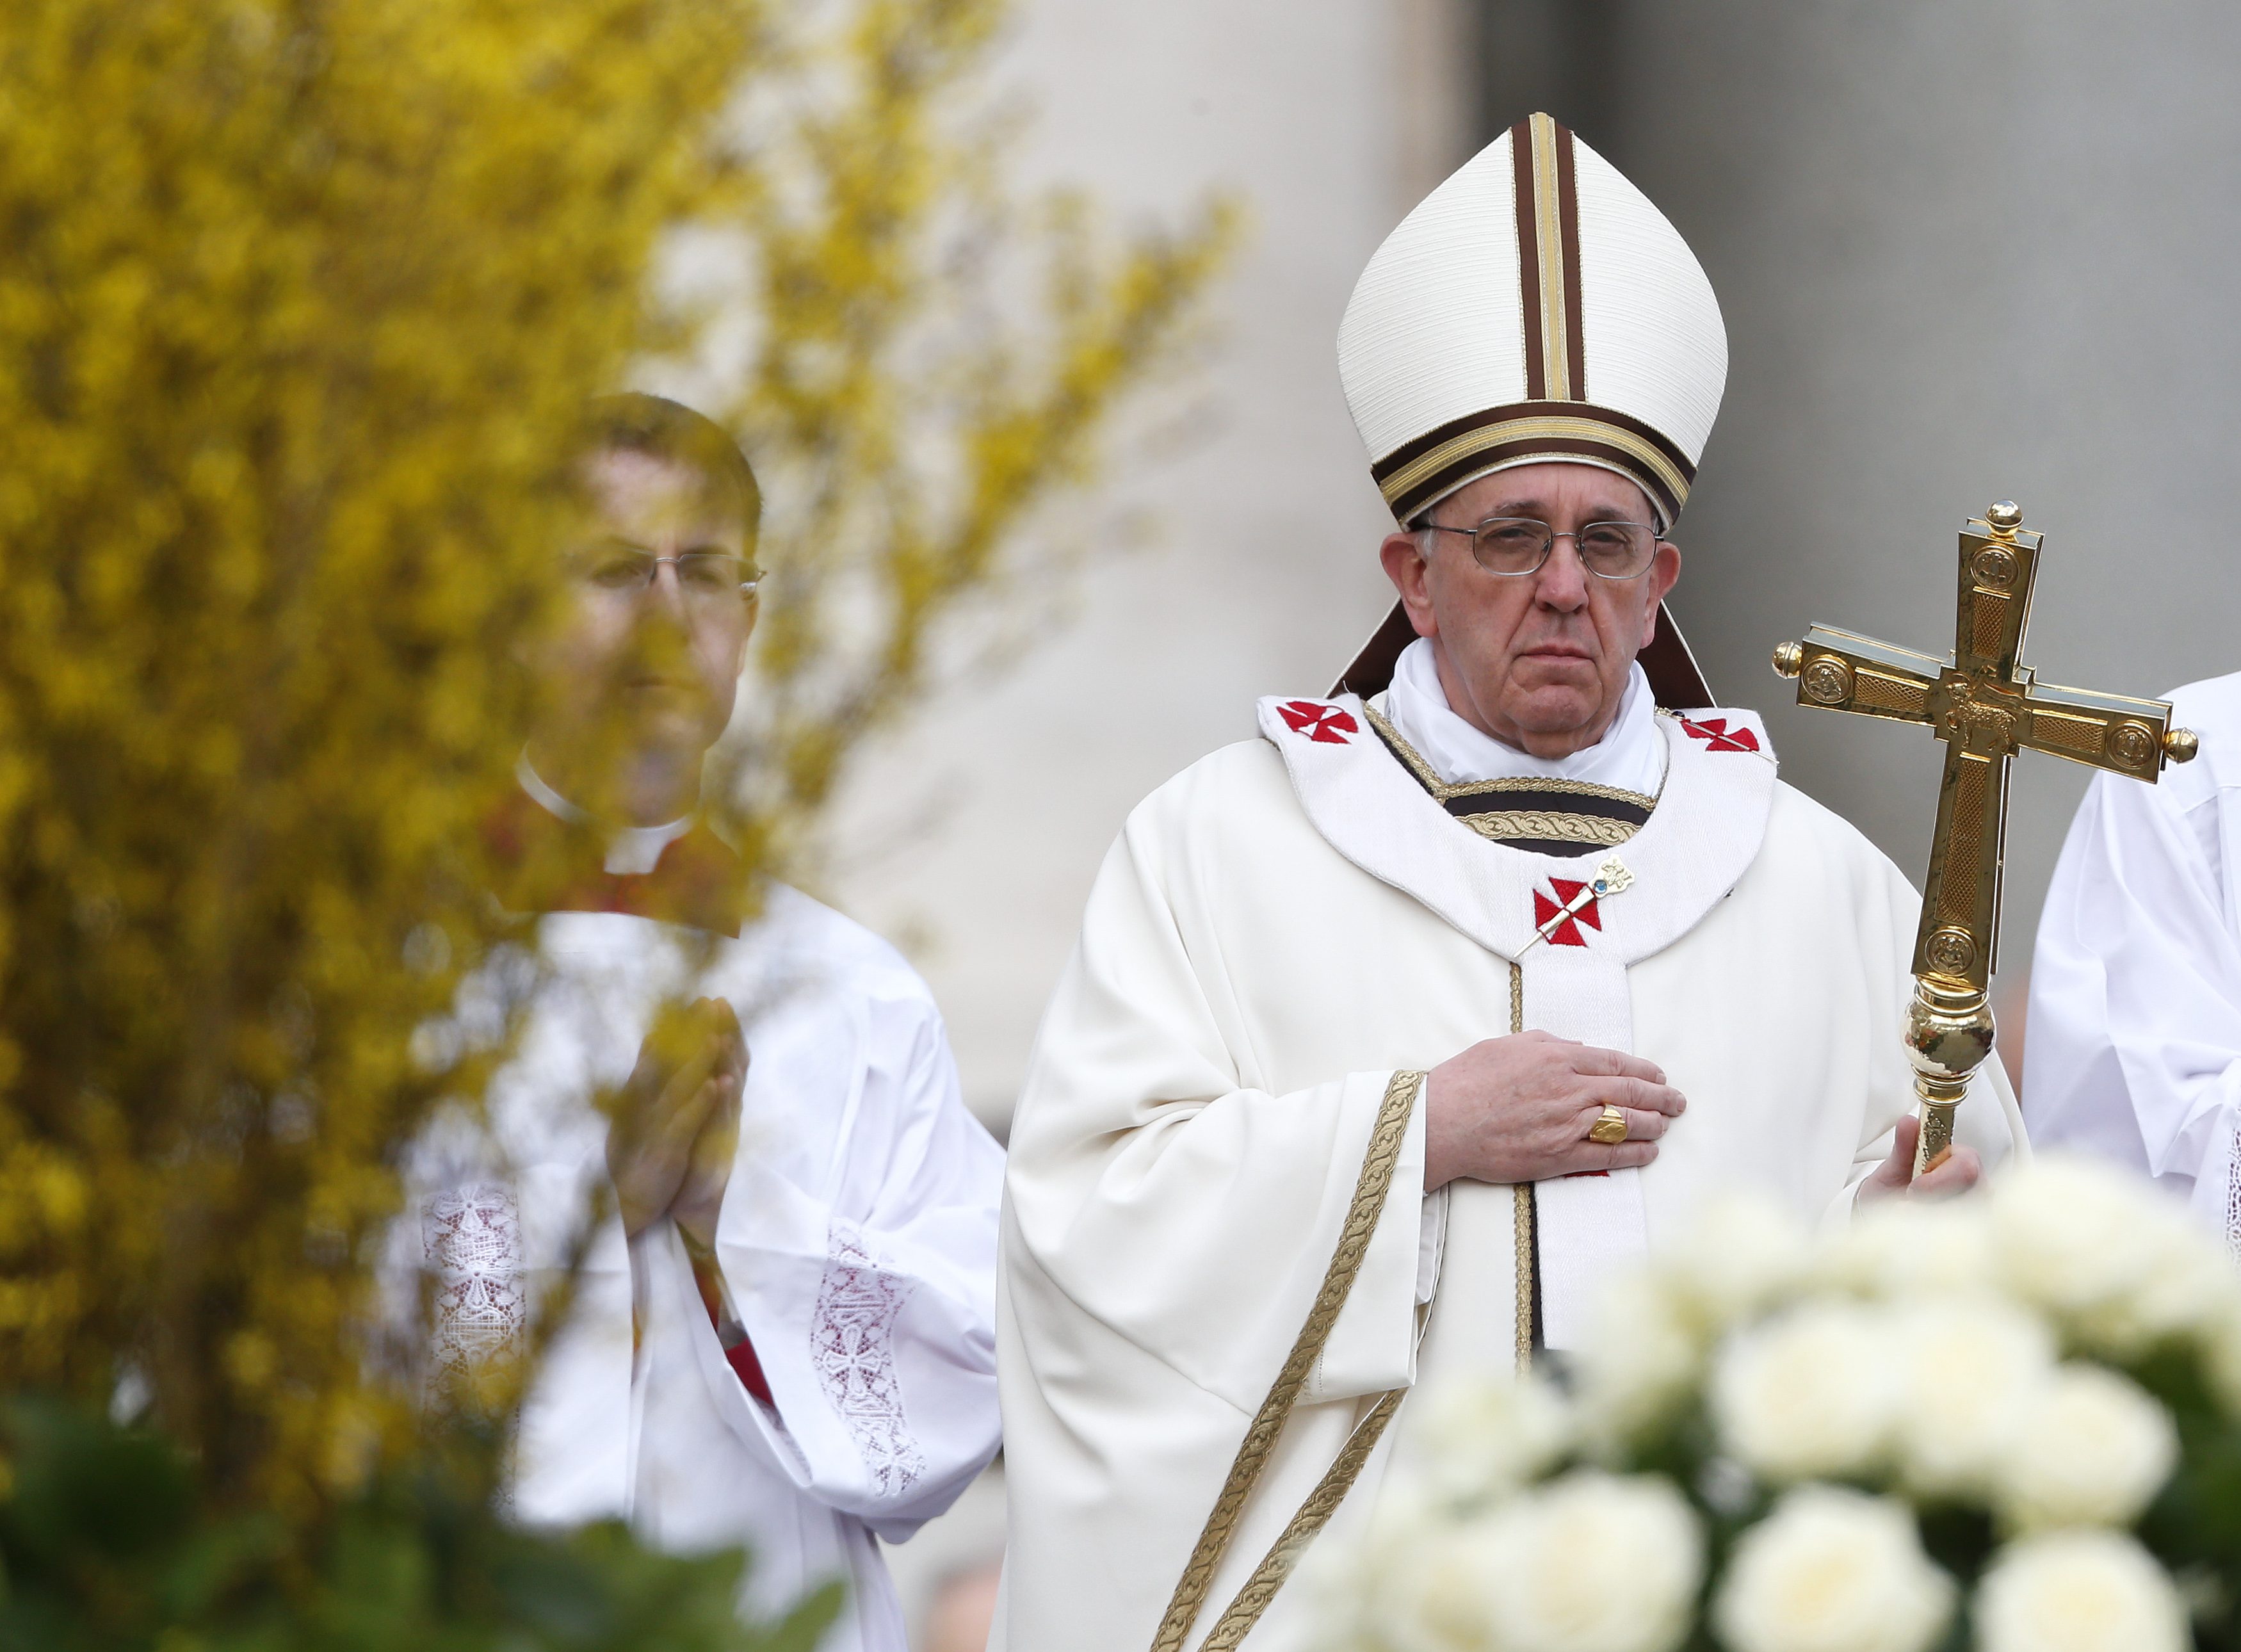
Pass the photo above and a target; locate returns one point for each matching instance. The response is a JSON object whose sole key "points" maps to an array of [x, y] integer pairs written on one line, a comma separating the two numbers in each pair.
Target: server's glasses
{"points": [[703, 575], [1514, 545]]}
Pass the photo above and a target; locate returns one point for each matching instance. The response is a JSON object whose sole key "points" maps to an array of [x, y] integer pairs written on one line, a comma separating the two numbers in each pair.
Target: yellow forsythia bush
{"points": [[300, 307]]}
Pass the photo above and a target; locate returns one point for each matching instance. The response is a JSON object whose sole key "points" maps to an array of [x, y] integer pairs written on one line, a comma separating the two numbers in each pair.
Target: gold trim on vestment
{"points": [[1237, 1619], [1566, 788], [1560, 427], [1496, 824], [1386, 1138], [1548, 245], [1414, 761], [1522, 1204]]}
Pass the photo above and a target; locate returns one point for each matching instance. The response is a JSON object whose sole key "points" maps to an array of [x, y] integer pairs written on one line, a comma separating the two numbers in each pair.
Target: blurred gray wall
{"points": [[1965, 252]]}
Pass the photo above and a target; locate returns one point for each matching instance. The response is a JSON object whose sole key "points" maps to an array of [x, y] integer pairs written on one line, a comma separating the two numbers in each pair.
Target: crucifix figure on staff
{"points": [[1986, 705]]}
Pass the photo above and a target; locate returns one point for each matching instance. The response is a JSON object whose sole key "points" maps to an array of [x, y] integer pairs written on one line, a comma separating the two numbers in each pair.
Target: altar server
{"points": [[1394, 1033], [2135, 1024], [782, 1336]]}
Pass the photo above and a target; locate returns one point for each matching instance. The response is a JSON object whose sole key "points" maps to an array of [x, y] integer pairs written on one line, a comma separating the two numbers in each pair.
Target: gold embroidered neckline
{"points": [[1429, 778], [1592, 831]]}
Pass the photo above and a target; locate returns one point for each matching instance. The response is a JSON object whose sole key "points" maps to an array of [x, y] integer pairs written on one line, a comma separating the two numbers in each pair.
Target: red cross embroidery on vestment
{"points": [[1718, 737], [1329, 724], [1568, 932]]}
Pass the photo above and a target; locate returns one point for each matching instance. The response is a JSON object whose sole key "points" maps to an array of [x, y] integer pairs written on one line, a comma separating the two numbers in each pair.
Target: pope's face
{"points": [[1539, 661], [647, 673]]}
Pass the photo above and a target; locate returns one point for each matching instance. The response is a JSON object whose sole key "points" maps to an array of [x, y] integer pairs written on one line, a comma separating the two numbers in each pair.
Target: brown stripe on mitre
{"points": [[1524, 199], [1568, 217], [1420, 473]]}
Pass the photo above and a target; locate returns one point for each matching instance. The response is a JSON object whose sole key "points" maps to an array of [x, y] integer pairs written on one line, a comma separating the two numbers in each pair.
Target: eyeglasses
{"points": [[703, 575], [1514, 545]]}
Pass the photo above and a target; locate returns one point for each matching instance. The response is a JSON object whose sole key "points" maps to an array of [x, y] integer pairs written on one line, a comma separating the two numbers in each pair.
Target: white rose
{"points": [[1591, 1562], [1478, 1439], [1831, 1570], [1904, 1252], [2116, 1263], [1384, 1592], [1433, 1600], [2194, 1289], [2078, 1591], [2190, 1285], [2089, 1447], [1967, 1367], [1738, 1258], [1811, 1393], [1642, 1354], [2221, 1354]]}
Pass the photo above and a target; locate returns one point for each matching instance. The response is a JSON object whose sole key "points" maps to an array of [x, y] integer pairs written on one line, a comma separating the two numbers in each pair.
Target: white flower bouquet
{"points": [[2011, 1423]]}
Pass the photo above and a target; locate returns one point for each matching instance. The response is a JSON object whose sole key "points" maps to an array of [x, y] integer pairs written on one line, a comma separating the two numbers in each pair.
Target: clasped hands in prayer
{"points": [[1519, 1109], [676, 1120]]}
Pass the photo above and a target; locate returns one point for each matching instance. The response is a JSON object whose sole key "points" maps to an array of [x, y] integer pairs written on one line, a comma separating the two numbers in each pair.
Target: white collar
{"points": [[632, 852], [1630, 757]]}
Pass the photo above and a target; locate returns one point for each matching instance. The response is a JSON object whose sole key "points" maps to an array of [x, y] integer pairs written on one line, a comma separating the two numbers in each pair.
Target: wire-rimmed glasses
{"points": [[702, 576], [1515, 545]]}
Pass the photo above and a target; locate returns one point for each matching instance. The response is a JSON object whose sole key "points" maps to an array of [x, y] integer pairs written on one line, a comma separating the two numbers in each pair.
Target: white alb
{"points": [[2133, 1050], [856, 1246]]}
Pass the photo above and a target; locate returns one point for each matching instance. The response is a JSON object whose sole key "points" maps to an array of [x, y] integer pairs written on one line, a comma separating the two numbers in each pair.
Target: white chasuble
{"points": [[832, 1377], [1278, 931]]}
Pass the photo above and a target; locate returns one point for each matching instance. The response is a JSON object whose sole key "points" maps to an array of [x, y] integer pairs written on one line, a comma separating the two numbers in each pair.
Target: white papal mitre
{"points": [[1534, 306]]}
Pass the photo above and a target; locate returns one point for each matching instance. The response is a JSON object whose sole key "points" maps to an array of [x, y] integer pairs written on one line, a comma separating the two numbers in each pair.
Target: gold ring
{"points": [[1609, 1129]]}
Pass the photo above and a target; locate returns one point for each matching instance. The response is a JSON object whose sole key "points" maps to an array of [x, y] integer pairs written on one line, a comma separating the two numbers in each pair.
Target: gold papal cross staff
{"points": [[1985, 707]]}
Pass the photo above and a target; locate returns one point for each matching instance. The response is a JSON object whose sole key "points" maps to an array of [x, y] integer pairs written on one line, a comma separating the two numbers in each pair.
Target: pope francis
{"points": [[1394, 1032]]}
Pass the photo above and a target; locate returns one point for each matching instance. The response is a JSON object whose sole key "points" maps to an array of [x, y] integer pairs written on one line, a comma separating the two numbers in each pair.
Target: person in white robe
{"points": [[1394, 1033], [2134, 1052], [781, 1332]]}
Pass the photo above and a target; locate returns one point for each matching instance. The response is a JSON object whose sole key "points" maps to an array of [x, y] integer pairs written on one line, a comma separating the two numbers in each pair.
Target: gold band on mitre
{"points": [[1419, 474]]}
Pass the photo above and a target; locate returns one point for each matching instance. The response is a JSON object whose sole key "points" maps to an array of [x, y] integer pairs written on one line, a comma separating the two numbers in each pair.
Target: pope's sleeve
{"points": [[870, 1303], [2135, 1034], [1163, 1208]]}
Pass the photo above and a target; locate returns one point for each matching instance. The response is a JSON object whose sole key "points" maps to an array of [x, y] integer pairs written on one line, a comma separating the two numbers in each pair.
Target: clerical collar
{"points": [[1594, 800], [632, 852], [1629, 758]]}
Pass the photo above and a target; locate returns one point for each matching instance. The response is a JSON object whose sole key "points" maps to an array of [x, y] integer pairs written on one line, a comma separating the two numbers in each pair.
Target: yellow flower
{"points": [[301, 312]]}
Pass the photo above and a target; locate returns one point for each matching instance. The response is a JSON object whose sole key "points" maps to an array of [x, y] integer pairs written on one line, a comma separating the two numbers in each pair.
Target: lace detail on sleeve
{"points": [[2233, 1197], [472, 1238], [852, 1345]]}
